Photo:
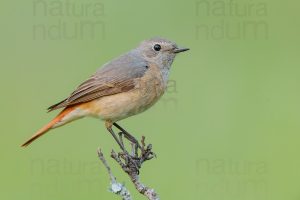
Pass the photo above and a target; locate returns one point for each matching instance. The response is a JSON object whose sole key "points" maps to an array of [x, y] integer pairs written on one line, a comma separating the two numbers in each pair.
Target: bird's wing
{"points": [[115, 77]]}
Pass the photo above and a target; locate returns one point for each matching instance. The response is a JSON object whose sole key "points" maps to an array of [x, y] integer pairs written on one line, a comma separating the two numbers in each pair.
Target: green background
{"points": [[227, 128]]}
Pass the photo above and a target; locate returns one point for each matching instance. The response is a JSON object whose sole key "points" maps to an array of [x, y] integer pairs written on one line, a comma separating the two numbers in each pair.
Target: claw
{"points": [[134, 159]]}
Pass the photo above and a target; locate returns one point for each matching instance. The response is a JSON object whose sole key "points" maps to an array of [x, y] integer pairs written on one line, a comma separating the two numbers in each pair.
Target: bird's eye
{"points": [[157, 47]]}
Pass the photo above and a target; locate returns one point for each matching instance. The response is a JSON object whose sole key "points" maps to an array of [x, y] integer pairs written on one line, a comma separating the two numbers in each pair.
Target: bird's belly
{"points": [[147, 91], [123, 105]]}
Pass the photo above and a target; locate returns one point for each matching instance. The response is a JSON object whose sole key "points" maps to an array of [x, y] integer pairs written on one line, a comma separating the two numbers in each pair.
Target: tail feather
{"points": [[49, 126]]}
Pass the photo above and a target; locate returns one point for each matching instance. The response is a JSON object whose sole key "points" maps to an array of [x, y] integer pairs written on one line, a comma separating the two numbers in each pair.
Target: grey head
{"points": [[160, 51]]}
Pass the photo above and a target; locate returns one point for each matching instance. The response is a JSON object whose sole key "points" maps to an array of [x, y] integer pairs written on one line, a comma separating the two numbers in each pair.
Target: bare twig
{"points": [[130, 164], [115, 187]]}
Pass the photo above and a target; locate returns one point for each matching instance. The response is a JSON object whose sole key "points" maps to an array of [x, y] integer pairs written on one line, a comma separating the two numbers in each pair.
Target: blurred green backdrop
{"points": [[227, 128]]}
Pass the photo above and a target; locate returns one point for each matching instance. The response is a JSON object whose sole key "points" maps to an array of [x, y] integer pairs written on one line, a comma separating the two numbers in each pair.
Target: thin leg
{"points": [[127, 135], [115, 137], [121, 144], [121, 138]]}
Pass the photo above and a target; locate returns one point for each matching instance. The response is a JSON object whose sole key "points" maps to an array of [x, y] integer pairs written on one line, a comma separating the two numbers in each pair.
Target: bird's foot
{"points": [[128, 136], [139, 154]]}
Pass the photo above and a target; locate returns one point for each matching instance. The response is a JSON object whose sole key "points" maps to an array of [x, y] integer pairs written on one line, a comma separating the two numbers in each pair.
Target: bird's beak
{"points": [[180, 49]]}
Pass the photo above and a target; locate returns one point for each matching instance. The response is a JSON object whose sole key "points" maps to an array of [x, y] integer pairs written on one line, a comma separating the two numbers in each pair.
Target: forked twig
{"points": [[131, 163], [115, 187]]}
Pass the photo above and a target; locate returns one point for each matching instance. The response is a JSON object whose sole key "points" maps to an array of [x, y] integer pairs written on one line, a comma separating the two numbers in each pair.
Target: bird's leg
{"points": [[146, 151], [121, 138], [117, 140], [128, 136], [125, 155]]}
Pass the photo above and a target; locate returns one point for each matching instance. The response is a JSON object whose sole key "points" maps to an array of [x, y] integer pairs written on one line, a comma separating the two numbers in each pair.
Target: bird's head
{"points": [[160, 51]]}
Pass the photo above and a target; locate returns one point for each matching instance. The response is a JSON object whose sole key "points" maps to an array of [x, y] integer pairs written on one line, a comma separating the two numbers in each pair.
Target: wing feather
{"points": [[115, 77]]}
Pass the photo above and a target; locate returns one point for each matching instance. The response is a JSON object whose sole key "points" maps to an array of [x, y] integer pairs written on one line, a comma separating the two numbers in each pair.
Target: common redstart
{"points": [[123, 87]]}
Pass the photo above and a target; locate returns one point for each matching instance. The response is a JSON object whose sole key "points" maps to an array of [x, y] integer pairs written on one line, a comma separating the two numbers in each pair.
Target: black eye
{"points": [[157, 47]]}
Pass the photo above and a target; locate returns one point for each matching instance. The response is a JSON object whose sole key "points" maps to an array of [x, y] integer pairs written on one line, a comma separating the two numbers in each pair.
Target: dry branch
{"points": [[130, 164]]}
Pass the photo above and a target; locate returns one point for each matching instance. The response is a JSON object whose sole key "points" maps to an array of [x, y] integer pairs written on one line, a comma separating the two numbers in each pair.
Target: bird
{"points": [[121, 88]]}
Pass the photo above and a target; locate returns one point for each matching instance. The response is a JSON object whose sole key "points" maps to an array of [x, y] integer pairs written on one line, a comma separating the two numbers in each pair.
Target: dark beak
{"points": [[180, 49]]}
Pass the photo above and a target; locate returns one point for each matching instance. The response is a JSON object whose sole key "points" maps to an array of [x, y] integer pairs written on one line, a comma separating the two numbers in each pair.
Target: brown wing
{"points": [[118, 76]]}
